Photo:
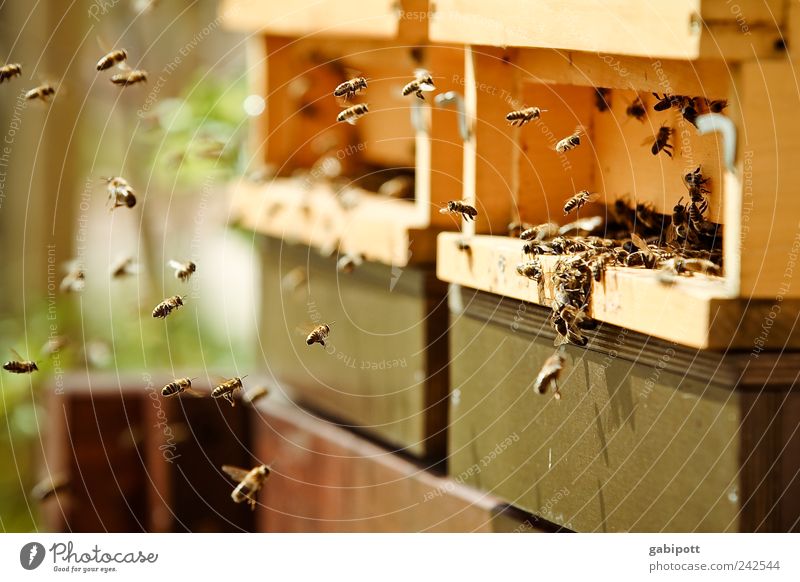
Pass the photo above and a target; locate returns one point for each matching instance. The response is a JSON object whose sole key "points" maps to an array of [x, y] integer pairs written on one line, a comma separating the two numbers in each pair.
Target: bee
{"points": [[249, 482], [42, 92], [124, 267], [422, 82], [167, 306], [20, 365], [579, 200], [531, 269], [227, 388], [516, 228], [540, 232], [637, 110], [666, 101], [75, 279], [537, 248], [681, 265], [183, 270], [717, 105], [522, 116], [549, 374], [680, 219], [177, 386], [256, 394], [318, 335], [570, 142], [350, 88], [457, 207], [351, 114], [348, 263], [696, 210], [661, 141], [602, 99], [10, 70], [640, 253], [567, 320], [49, 487], [696, 183], [129, 78], [398, 187], [120, 192], [113, 58]]}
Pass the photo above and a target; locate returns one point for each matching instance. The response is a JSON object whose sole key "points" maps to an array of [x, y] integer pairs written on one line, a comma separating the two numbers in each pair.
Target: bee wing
{"points": [[103, 43], [173, 264], [235, 473], [16, 355]]}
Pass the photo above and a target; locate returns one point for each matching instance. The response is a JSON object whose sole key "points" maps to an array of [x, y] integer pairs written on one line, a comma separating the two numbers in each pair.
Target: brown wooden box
{"points": [[384, 367], [648, 435]]}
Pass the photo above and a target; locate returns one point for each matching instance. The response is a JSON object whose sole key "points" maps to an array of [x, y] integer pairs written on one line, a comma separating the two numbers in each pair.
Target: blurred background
{"points": [[177, 139]]}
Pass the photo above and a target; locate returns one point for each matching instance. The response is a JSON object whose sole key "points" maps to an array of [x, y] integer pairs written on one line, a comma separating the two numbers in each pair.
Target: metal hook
{"points": [[450, 98], [716, 122]]}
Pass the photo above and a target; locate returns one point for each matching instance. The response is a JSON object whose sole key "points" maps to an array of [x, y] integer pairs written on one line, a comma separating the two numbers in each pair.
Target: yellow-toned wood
{"points": [[769, 148], [661, 29], [376, 18], [383, 230]]}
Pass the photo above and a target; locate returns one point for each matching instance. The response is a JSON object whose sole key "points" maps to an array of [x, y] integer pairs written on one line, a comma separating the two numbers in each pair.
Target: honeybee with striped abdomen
{"points": [[112, 58], [177, 386], [661, 141], [457, 207], [20, 365], [10, 70], [227, 389], [570, 142], [249, 482], [183, 270], [129, 78], [318, 335], [167, 306], [42, 92], [579, 200], [350, 88], [522, 116], [352, 114], [422, 82]]}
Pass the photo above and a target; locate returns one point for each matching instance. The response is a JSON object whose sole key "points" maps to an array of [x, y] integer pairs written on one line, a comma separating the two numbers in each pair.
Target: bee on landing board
{"points": [[661, 141], [318, 335], [182, 270], [579, 200], [520, 117], [177, 386], [549, 374], [570, 142], [457, 207], [352, 114], [540, 232], [227, 389], [422, 82], [167, 306], [10, 70], [20, 365], [42, 92], [112, 58], [249, 482], [350, 89]]}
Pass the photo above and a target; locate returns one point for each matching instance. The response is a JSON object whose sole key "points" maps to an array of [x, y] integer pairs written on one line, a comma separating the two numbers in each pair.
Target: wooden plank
{"points": [[768, 143], [694, 311], [384, 230], [327, 479], [377, 371], [376, 19], [644, 437]]}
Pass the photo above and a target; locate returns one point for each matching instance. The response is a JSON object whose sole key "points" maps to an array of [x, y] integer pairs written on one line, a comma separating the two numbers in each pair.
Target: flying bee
{"points": [[124, 267], [520, 117], [637, 110], [20, 365], [348, 263], [10, 70], [666, 101], [570, 142], [351, 114], [640, 253], [182, 270], [129, 78], [112, 58], [540, 232], [680, 218], [549, 374], [318, 335], [696, 183], [254, 395], [661, 141], [717, 105], [350, 88], [227, 388], [42, 92], [249, 482], [533, 270], [177, 386], [400, 187], [457, 207], [579, 200], [75, 279], [422, 82], [602, 99], [167, 306], [49, 487], [120, 193]]}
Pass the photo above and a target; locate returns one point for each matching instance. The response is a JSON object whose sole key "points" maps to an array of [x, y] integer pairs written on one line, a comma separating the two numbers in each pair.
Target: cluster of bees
{"points": [[122, 195]]}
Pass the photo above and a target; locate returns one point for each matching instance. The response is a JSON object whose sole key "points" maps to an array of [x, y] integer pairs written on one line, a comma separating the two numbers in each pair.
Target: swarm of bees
{"points": [[128, 76]]}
